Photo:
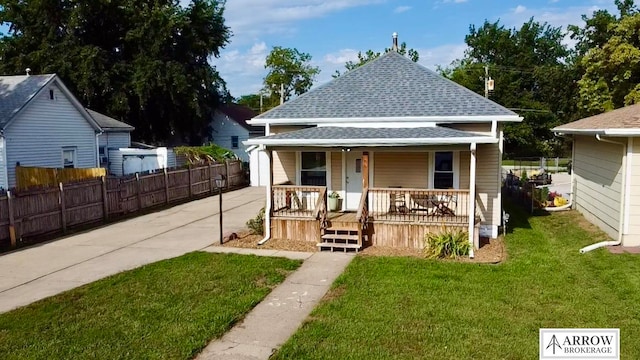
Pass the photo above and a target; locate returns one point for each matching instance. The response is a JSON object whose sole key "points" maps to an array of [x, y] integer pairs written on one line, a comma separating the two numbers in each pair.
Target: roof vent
{"points": [[395, 41], [28, 70]]}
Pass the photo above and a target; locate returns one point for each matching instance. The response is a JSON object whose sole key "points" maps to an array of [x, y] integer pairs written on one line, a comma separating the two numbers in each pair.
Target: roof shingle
{"points": [[107, 123], [388, 87], [627, 117]]}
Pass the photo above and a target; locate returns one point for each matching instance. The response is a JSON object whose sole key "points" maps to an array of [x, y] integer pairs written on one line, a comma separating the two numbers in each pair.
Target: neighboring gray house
{"points": [[115, 135], [229, 128], [42, 124]]}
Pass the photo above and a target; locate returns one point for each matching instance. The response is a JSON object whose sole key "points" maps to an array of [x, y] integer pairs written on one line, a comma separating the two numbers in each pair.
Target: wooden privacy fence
{"points": [[27, 177], [54, 209]]}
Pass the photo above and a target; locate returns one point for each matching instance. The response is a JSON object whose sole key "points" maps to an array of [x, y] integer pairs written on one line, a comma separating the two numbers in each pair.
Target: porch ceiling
{"points": [[346, 136]]}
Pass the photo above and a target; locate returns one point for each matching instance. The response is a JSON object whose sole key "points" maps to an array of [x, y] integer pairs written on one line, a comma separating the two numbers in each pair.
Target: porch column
{"points": [[365, 170], [472, 199], [267, 209]]}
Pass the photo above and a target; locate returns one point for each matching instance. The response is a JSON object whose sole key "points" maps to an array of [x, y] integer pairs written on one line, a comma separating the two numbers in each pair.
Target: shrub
{"points": [[446, 244], [256, 225]]}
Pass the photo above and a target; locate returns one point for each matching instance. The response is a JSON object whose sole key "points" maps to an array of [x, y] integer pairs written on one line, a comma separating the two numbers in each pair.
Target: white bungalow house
{"points": [[42, 124], [229, 128], [407, 150], [606, 172]]}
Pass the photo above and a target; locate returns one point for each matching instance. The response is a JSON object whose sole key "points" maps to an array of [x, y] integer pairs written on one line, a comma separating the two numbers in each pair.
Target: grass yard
{"points": [[406, 308], [166, 310]]}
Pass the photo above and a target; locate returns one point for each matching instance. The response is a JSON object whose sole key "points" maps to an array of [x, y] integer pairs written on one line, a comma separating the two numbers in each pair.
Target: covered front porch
{"points": [[394, 185]]}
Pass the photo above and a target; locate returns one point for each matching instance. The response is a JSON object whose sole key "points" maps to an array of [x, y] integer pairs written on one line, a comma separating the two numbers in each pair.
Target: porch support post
{"points": [[267, 209], [365, 169], [472, 200]]}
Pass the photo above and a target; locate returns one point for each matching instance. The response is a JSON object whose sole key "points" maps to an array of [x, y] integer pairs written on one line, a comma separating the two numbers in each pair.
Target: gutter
{"points": [[371, 142], [626, 164], [444, 119]]}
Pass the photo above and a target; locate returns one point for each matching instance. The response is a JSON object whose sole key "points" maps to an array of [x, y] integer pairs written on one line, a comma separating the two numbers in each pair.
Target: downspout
{"points": [[267, 209], [98, 149], [625, 173], [3, 139]]}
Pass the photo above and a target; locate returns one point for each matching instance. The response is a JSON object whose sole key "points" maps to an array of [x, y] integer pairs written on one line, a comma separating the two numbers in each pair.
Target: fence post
{"points": [[63, 211], [166, 185], [138, 191], [105, 199], [226, 169], [12, 222], [211, 180], [189, 169]]}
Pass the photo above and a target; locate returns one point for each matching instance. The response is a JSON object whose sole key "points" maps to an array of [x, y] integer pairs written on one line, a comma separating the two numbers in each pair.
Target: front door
{"points": [[354, 179]]}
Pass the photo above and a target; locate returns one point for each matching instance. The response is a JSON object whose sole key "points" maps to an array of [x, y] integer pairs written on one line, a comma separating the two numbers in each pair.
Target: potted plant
{"points": [[334, 201]]}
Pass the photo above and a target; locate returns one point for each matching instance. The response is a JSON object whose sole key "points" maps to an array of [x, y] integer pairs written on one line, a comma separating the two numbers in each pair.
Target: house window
{"points": [[102, 152], [313, 169], [51, 95], [68, 157], [443, 171], [234, 142]]}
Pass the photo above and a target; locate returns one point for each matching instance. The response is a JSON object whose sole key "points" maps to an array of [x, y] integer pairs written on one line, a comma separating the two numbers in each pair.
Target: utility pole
{"points": [[486, 81], [261, 103], [281, 93]]}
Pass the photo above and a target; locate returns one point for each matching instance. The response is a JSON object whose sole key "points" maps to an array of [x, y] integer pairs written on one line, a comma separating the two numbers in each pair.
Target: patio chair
{"points": [[423, 202], [446, 205]]}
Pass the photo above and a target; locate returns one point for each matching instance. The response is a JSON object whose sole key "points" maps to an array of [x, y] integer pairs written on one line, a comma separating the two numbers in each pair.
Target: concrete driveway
{"points": [[41, 271]]}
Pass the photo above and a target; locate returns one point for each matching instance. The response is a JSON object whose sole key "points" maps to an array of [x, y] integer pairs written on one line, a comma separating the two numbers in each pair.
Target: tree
{"points": [[142, 61], [254, 102], [290, 73], [531, 75], [612, 71], [371, 55]]}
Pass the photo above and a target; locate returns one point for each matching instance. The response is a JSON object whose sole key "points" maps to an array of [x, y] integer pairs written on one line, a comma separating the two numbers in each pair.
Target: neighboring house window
{"points": [[443, 172], [234, 142], [313, 169], [68, 157], [102, 151], [51, 95]]}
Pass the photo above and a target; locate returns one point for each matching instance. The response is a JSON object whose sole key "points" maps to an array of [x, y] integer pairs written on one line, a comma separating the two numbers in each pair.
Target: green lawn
{"points": [[405, 308], [165, 310]]}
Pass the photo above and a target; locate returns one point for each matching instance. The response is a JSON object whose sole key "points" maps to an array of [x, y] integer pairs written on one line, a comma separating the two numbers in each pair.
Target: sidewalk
{"points": [[280, 314], [41, 271]]}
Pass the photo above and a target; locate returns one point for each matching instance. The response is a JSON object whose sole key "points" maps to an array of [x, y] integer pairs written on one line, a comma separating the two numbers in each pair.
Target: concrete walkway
{"points": [[41, 271], [281, 313]]}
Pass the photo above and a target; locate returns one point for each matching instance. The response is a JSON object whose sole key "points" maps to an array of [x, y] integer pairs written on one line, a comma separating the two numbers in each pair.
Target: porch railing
{"points": [[299, 201], [419, 205], [363, 209]]}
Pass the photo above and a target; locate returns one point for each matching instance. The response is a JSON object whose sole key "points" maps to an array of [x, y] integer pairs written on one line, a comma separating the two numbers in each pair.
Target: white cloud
{"points": [[401, 9], [519, 9], [243, 70], [249, 19], [442, 55], [341, 57]]}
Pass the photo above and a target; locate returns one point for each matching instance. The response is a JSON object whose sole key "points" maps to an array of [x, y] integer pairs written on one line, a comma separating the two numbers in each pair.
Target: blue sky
{"points": [[333, 31]]}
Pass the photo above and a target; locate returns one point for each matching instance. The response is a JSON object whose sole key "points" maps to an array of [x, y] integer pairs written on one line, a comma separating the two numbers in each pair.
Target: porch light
{"points": [[346, 149]]}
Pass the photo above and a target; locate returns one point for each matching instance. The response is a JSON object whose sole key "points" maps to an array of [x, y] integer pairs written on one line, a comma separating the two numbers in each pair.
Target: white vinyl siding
{"points": [[115, 139], [487, 184], [223, 131], [598, 176], [36, 137]]}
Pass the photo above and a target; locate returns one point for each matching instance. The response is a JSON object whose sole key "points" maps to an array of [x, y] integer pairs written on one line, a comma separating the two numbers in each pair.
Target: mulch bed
{"points": [[491, 251]]}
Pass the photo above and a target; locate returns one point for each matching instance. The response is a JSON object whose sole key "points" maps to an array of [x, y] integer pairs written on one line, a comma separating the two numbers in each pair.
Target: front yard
{"points": [[409, 308], [166, 310]]}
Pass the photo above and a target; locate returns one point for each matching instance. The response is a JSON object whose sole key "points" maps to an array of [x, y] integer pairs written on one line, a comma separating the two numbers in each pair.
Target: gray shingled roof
{"points": [[108, 123], [390, 86], [337, 134], [17, 91]]}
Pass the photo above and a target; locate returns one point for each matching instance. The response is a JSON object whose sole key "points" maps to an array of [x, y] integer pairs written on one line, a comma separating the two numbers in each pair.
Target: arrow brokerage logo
{"points": [[580, 344]]}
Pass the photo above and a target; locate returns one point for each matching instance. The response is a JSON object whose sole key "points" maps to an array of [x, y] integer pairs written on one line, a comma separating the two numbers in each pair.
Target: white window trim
{"points": [[456, 168], [75, 155]]}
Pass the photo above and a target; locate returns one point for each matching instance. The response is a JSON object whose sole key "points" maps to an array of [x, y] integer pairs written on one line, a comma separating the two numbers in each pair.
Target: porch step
{"points": [[353, 227], [341, 246], [340, 237]]}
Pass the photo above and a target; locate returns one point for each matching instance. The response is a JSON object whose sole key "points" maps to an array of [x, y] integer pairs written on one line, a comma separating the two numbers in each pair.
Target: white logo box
{"points": [[580, 344]]}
